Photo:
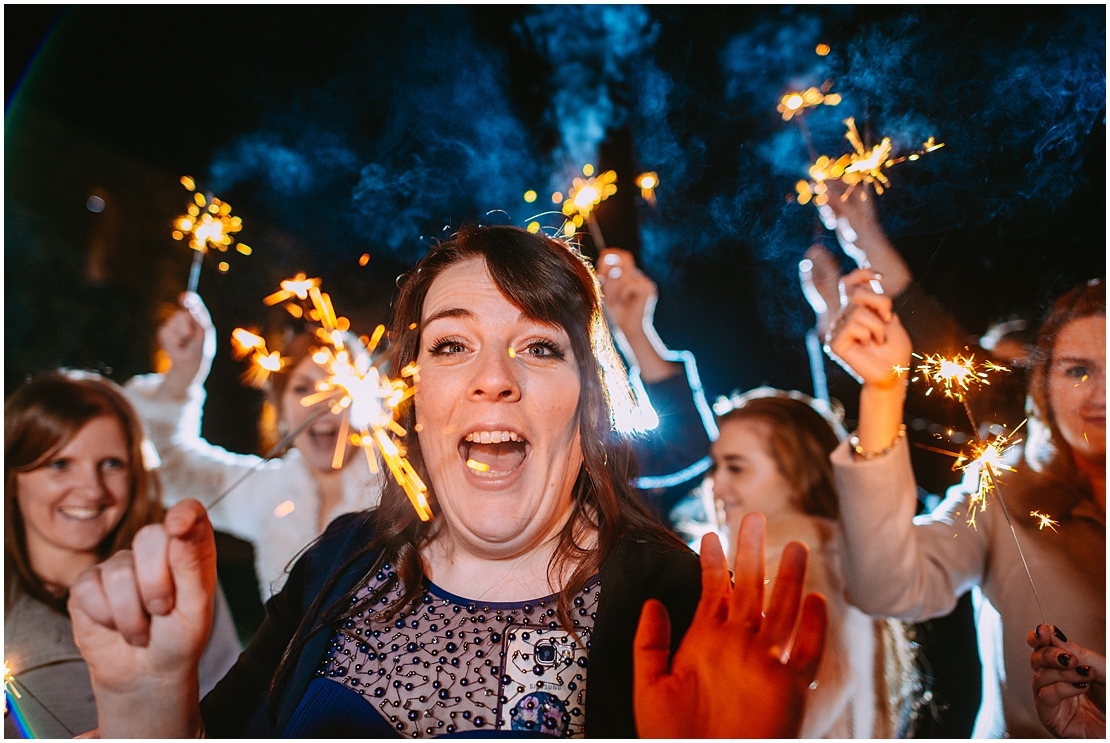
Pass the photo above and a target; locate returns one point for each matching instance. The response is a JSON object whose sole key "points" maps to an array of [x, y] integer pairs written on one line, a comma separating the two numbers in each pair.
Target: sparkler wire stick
{"points": [[817, 365], [274, 451], [194, 271], [1005, 511]]}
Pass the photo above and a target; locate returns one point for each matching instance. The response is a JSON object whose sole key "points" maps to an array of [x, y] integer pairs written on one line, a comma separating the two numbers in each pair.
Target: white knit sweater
{"points": [[193, 468]]}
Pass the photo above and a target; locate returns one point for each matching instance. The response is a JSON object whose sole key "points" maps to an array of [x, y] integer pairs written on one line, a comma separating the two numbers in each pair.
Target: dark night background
{"points": [[347, 130]]}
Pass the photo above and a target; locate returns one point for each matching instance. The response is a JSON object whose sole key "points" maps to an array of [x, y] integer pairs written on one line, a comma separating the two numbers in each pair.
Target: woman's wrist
{"points": [[880, 416], [158, 710]]}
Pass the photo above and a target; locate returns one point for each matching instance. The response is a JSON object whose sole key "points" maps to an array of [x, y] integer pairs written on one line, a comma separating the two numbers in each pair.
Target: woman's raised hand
{"points": [[740, 672], [626, 289], [141, 620], [867, 338], [189, 339], [1069, 685], [629, 297]]}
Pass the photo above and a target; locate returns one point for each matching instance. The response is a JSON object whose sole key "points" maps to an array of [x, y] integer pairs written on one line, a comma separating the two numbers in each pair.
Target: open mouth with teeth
{"points": [[82, 513], [324, 435], [493, 453]]}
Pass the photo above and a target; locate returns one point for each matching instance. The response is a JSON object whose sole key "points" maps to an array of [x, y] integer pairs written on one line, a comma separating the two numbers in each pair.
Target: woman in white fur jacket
{"points": [[288, 501], [772, 456]]}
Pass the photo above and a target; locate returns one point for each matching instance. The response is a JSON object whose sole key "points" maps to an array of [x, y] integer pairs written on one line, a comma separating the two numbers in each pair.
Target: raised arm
{"points": [[894, 567], [171, 408]]}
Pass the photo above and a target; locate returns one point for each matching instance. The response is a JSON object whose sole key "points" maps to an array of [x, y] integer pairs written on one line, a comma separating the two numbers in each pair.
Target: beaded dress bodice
{"points": [[446, 664]]}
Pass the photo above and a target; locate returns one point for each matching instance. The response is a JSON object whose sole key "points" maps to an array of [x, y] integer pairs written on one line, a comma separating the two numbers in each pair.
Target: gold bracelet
{"points": [[860, 453]]}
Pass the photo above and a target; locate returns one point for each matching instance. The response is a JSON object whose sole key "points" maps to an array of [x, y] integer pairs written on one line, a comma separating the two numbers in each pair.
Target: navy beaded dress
{"points": [[447, 665]]}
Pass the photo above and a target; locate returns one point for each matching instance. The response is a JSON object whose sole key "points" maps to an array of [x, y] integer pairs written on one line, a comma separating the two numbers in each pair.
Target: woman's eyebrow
{"points": [[452, 312], [1072, 359]]}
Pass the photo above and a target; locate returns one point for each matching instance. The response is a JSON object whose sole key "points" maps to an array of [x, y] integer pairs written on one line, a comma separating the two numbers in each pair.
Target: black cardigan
{"points": [[633, 572]]}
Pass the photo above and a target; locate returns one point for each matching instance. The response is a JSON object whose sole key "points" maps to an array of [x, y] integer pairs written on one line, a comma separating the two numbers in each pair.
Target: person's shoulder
{"points": [[342, 535], [653, 556]]}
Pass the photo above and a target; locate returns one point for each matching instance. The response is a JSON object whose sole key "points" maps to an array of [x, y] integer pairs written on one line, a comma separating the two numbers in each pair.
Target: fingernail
{"points": [[1080, 684], [1063, 659], [1083, 670], [1059, 635], [158, 606], [1037, 632]]}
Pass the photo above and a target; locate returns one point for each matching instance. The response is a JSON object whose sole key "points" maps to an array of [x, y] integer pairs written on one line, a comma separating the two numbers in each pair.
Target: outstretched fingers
{"points": [[716, 585], [652, 645], [809, 645], [749, 570], [786, 599]]}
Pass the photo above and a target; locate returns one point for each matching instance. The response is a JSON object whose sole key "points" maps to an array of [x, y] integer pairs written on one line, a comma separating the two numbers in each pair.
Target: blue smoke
{"points": [[591, 51], [445, 145], [1015, 114]]}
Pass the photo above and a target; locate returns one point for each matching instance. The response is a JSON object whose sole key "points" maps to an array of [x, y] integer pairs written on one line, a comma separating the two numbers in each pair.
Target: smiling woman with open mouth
{"points": [[523, 590]]}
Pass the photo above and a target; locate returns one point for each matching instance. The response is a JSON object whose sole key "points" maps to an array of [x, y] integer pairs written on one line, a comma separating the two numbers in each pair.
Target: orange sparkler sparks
{"points": [[987, 460], [795, 103], [298, 287], [208, 223], [955, 375], [862, 166], [9, 681], [355, 385], [648, 182], [1045, 520], [262, 363], [587, 193]]}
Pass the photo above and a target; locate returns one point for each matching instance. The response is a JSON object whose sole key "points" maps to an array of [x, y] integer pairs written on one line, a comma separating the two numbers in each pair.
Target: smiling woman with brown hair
{"points": [[76, 491], [522, 592]]}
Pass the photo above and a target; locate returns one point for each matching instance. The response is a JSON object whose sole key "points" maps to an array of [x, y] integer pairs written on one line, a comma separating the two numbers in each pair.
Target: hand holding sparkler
{"points": [[141, 619], [740, 672], [189, 340], [629, 298], [1069, 685], [868, 340]]}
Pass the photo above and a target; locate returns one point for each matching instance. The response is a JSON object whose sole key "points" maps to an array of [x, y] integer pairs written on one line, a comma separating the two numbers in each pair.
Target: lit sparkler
{"points": [[795, 103], [861, 166], [207, 223], [1045, 520], [957, 376], [263, 363], [355, 385], [648, 182], [583, 196], [12, 696]]}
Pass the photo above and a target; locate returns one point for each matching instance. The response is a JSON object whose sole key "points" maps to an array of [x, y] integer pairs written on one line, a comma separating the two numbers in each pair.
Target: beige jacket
{"points": [[915, 569], [254, 511], [850, 698]]}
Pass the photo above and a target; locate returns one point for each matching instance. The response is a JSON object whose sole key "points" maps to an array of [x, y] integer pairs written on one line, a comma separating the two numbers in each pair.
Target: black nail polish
{"points": [[1083, 670], [1059, 635], [1063, 659], [1080, 684]]}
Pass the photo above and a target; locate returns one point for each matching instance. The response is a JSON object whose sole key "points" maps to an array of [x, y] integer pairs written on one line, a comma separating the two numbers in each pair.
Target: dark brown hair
{"points": [[42, 417], [1046, 446], [800, 441], [550, 283]]}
